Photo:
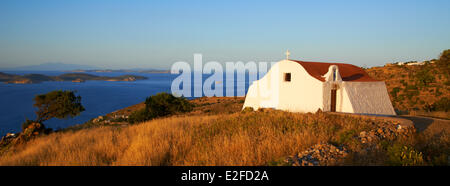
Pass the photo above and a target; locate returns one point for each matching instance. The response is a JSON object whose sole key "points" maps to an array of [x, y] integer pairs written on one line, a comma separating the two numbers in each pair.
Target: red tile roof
{"points": [[348, 72]]}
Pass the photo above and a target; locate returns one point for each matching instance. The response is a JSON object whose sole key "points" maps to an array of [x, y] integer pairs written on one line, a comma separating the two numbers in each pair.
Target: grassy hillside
{"points": [[416, 89], [240, 138]]}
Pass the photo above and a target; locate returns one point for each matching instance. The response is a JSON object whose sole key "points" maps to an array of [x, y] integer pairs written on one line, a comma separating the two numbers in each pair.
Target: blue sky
{"points": [[157, 33]]}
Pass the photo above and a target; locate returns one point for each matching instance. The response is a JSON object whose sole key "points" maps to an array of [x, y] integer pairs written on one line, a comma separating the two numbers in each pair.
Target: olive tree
{"points": [[57, 104]]}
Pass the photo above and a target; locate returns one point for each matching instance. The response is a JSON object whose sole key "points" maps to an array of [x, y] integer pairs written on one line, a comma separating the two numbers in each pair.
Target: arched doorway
{"points": [[333, 100]]}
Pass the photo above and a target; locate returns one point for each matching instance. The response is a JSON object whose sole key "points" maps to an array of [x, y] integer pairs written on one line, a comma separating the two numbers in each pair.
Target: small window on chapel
{"points": [[334, 75], [287, 77]]}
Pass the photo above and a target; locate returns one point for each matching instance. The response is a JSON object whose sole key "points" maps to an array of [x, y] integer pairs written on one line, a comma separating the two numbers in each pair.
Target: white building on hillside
{"points": [[299, 86]]}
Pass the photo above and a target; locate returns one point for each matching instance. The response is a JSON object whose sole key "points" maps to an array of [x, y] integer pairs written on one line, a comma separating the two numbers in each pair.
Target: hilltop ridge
{"points": [[420, 88]]}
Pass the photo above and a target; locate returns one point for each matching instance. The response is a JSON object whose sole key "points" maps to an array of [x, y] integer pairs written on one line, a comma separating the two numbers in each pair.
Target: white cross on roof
{"points": [[287, 54]]}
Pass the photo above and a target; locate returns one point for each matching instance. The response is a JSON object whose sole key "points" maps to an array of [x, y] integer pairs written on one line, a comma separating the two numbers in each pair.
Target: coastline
{"points": [[73, 77]]}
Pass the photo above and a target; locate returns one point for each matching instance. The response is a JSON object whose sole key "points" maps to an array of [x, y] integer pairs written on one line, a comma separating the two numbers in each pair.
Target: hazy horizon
{"points": [[59, 66], [112, 34]]}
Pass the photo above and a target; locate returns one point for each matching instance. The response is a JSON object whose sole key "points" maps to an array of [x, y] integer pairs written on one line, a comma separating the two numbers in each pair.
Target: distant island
{"points": [[74, 77]]}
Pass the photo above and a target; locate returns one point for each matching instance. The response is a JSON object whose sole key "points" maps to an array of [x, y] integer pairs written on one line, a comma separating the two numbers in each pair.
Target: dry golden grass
{"points": [[217, 105], [255, 138]]}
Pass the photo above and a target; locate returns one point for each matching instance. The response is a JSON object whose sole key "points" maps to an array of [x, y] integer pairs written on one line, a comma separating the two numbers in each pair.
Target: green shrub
{"points": [[400, 155], [411, 87], [437, 92], [395, 92], [442, 105], [401, 97], [248, 109], [444, 61], [346, 137], [424, 77], [427, 107], [161, 104], [139, 116]]}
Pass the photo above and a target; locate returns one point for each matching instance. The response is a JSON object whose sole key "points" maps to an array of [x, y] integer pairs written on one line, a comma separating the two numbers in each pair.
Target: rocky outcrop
{"points": [[388, 132], [6, 140], [322, 154], [30, 132], [33, 130]]}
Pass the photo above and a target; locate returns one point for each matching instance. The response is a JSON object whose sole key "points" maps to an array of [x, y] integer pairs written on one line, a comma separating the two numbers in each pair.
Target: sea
{"points": [[98, 97]]}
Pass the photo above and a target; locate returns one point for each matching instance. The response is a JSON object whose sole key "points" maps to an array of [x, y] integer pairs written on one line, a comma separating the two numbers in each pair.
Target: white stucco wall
{"points": [[346, 104], [369, 98], [263, 93], [302, 94]]}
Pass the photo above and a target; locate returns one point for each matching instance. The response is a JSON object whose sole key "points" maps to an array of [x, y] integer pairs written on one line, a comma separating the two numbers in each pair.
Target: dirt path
{"points": [[421, 123], [427, 124]]}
